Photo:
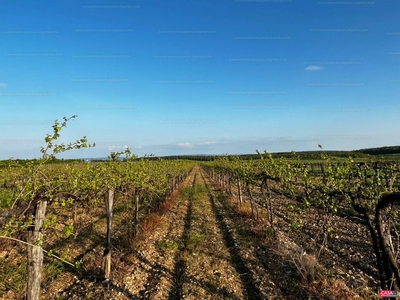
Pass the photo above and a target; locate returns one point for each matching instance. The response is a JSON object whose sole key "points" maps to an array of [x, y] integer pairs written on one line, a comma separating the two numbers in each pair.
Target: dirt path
{"points": [[188, 256], [153, 275]]}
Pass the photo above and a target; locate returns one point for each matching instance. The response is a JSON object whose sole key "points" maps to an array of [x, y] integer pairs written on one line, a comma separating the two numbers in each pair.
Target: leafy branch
{"points": [[59, 148]]}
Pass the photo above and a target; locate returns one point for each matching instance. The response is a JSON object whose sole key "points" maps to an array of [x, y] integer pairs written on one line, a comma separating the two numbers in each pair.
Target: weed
{"points": [[243, 210], [51, 271], [195, 238], [151, 223], [167, 246], [306, 264], [13, 277], [166, 205], [186, 192]]}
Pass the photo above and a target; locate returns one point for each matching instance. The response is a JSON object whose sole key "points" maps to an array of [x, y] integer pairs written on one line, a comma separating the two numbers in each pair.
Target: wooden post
{"points": [[35, 252], [251, 199], [240, 192], [107, 251], [136, 217], [230, 185]]}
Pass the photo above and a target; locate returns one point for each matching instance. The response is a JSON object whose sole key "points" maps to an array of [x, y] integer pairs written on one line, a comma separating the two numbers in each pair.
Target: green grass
{"points": [[196, 238], [165, 245], [13, 277], [52, 270]]}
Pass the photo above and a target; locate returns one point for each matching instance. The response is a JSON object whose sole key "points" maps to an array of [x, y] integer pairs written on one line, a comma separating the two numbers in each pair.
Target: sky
{"points": [[199, 76]]}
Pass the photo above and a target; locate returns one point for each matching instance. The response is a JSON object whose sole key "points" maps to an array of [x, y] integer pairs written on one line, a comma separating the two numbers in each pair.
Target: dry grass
{"points": [[151, 223], [316, 281], [243, 210], [166, 205], [306, 265], [334, 289]]}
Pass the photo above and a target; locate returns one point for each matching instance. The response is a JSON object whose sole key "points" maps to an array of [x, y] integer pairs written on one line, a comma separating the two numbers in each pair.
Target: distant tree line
{"points": [[381, 150], [309, 155]]}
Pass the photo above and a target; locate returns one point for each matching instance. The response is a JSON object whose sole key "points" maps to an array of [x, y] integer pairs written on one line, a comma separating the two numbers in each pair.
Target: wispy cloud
{"points": [[113, 147], [3, 85], [314, 68], [208, 143], [186, 145]]}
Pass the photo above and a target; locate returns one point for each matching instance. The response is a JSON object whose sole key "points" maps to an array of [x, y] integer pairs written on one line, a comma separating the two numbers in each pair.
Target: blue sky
{"points": [[199, 77]]}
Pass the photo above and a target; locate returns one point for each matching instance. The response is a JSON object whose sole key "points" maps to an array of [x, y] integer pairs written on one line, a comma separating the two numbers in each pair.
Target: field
{"points": [[223, 229]]}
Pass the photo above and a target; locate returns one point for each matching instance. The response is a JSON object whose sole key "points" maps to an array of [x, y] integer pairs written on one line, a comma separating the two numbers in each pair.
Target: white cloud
{"points": [[208, 143], [3, 85], [220, 142], [314, 68], [186, 145], [113, 147]]}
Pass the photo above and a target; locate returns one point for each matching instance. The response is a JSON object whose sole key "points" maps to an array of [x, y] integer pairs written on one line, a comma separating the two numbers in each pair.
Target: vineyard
{"points": [[341, 214], [266, 228], [56, 206]]}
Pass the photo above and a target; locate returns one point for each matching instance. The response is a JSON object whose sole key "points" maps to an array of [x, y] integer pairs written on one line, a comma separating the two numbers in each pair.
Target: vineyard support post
{"points": [[251, 198], [240, 192], [269, 203], [35, 252], [377, 169], [230, 185], [107, 251], [136, 216]]}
